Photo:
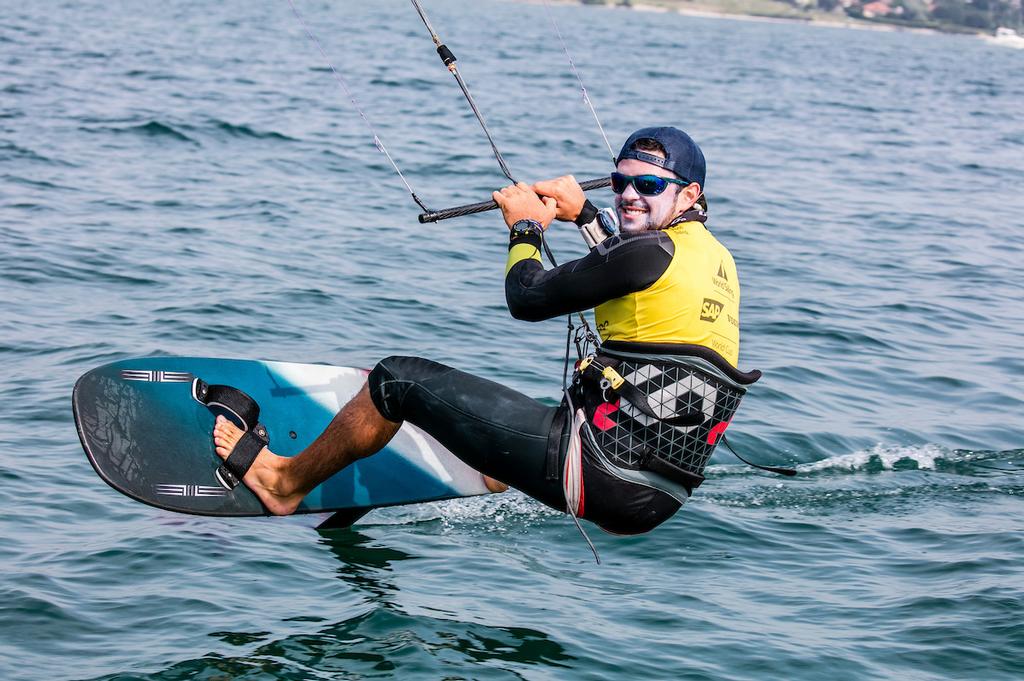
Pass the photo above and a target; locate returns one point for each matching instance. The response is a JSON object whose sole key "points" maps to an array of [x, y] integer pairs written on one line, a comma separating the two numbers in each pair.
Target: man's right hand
{"points": [[520, 202], [567, 193]]}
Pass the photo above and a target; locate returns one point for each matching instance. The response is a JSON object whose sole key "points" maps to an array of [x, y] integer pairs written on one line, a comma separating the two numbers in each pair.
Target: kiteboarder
{"points": [[630, 440]]}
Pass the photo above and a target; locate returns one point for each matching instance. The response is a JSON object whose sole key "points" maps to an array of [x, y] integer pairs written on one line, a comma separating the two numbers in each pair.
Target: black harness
{"points": [[659, 407]]}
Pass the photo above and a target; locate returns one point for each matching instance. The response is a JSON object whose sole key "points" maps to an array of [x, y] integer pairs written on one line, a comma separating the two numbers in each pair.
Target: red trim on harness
{"points": [[579, 510], [716, 431], [601, 419]]}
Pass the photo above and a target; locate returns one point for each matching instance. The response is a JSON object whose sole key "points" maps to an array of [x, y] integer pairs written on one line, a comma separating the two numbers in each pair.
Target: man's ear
{"points": [[688, 196]]}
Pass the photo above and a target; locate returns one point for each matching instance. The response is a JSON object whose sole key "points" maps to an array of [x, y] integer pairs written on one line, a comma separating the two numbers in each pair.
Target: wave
{"points": [[819, 489], [12, 152], [89, 267], [884, 481], [509, 511], [235, 130], [153, 129], [152, 75], [36, 184], [929, 457], [414, 84]]}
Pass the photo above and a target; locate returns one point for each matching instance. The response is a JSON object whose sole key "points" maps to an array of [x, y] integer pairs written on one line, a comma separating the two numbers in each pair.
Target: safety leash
{"points": [[790, 472]]}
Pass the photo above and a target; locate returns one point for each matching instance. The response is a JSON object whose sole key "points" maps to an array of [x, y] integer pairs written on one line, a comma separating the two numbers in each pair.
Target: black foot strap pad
{"points": [[232, 399], [240, 460]]}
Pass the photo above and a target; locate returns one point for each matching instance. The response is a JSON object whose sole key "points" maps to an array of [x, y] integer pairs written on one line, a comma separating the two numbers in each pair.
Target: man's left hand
{"points": [[520, 202], [567, 193]]}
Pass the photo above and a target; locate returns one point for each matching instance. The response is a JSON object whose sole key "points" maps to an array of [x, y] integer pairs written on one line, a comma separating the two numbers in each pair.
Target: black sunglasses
{"points": [[646, 185]]}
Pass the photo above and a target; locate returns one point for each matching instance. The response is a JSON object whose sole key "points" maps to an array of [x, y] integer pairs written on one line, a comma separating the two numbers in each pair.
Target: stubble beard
{"points": [[647, 223]]}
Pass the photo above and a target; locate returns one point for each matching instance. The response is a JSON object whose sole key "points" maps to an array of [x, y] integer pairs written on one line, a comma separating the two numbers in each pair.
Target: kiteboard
{"points": [[148, 437]]}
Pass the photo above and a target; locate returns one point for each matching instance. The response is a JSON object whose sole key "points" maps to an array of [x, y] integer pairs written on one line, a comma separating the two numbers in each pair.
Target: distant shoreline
{"points": [[714, 9], [827, 21]]}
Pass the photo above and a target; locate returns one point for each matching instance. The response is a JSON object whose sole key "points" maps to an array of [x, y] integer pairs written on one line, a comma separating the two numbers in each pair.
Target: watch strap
{"points": [[524, 228]]}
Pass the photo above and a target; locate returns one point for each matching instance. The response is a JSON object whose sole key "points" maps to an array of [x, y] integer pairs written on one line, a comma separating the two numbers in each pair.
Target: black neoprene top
{"points": [[620, 265]]}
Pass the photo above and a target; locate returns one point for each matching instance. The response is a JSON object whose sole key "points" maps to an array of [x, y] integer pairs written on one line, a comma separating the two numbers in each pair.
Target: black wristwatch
{"points": [[526, 227]]}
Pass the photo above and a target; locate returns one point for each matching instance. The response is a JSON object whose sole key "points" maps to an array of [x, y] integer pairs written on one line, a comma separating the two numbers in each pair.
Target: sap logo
{"points": [[710, 310]]}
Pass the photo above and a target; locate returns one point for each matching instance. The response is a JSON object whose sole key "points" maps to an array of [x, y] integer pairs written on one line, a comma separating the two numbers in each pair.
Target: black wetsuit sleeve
{"points": [[618, 266]]}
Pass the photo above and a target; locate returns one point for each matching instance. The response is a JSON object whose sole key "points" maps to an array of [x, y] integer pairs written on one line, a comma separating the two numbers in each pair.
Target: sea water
{"points": [[189, 178]]}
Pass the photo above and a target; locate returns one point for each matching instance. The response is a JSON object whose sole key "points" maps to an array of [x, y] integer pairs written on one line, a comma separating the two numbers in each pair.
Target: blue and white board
{"points": [[147, 437]]}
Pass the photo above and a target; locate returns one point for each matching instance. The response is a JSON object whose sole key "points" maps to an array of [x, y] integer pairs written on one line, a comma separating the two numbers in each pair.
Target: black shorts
{"points": [[504, 434]]}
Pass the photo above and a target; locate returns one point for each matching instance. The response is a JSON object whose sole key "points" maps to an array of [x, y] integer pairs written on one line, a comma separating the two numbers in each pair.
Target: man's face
{"points": [[637, 212]]}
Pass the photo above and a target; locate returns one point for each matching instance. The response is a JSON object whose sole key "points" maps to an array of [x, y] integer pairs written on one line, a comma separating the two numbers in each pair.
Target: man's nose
{"points": [[629, 193]]}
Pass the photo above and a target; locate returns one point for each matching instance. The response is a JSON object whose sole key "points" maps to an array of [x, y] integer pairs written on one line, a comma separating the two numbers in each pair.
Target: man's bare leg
{"points": [[281, 482]]}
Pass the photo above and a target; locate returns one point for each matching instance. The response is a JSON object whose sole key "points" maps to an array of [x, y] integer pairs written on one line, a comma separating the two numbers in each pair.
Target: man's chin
{"points": [[631, 226]]}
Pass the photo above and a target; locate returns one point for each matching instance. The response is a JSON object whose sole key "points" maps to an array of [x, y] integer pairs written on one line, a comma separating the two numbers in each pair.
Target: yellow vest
{"points": [[696, 300]]}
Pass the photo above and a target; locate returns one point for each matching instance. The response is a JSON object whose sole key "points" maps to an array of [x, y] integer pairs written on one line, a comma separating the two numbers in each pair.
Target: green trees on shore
{"points": [[983, 15]]}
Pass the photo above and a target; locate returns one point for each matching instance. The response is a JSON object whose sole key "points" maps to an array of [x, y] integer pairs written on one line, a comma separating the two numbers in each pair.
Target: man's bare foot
{"points": [[267, 478], [493, 485]]}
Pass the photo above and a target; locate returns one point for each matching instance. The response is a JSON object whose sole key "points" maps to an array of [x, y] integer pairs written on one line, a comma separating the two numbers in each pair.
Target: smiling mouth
{"points": [[633, 211]]}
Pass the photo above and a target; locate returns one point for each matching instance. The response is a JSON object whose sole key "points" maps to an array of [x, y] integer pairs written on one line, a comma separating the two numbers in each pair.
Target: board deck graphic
{"points": [[148, 438]]}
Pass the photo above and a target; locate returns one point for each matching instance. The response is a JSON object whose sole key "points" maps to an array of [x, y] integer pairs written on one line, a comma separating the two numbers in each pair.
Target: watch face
{"points": [[524, 226]]}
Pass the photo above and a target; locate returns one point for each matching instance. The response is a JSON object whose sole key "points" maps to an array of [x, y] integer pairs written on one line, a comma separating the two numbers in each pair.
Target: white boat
{"points": [[1006, 36]]}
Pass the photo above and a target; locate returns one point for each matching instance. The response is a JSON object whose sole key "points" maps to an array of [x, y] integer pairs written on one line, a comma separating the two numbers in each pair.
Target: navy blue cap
{"points": [[683, 156]]}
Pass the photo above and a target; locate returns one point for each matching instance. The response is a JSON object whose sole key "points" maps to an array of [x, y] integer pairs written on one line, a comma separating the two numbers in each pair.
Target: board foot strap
{"points": [[240, 405], [240, 460], [247, 411]]}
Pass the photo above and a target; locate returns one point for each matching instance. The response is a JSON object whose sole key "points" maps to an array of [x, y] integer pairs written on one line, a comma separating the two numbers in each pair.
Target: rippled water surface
{"points": [[188, 178]]}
